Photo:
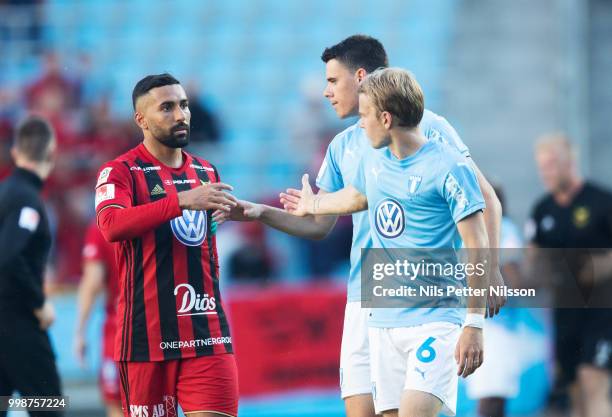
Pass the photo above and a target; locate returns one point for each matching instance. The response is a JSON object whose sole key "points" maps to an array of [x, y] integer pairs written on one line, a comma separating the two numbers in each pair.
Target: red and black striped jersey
{"points": [[169, 304]]}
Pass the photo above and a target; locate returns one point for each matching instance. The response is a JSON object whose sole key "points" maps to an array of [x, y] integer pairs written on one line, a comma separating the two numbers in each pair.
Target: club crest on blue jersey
{"points": [[190, 228], [413, 183], [389, 218]]}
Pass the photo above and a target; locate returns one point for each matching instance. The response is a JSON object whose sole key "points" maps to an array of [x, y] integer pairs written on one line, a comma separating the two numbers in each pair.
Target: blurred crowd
{"points": [[88, 135]]}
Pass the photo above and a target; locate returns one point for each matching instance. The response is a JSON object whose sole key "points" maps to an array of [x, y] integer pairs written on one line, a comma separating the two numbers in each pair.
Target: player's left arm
{"points": [[459, 188], [469, 350], [492, 219]]}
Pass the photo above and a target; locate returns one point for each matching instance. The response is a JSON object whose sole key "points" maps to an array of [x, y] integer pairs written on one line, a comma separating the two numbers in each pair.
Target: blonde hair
{"points": [[557, 142], [396, 91]]}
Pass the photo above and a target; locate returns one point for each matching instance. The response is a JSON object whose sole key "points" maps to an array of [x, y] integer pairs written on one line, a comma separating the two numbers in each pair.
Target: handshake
{"points": [[229, 208]]}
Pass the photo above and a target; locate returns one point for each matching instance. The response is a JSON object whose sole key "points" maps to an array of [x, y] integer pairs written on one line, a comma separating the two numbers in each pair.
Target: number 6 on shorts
{"points": [[425, 353]]}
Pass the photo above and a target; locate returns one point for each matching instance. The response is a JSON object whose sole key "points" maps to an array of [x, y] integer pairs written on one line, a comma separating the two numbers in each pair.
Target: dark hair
{"points": [[150, 82], [500, 196], [358, 51], [32, 138]]}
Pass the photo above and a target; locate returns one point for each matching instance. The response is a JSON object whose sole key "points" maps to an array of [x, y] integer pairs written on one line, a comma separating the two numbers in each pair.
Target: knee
{"points": [[594, 382]]}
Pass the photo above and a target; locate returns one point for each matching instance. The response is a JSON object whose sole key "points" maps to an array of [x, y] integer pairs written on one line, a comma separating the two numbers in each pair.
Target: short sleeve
{"points": [[359, 181], [461, 191], [329, 177], [113, 186], [436, 127]]}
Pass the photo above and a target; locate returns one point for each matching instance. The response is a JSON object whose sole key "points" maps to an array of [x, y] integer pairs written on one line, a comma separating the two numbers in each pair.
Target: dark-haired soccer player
{"points": [[346, 65], [27, 362], [173, 342]]}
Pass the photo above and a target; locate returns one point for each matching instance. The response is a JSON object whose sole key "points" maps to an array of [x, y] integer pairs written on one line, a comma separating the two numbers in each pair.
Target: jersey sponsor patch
{"points": [[104, 193], [29, 219], [190, 228], [389, 218], [103, 177]]}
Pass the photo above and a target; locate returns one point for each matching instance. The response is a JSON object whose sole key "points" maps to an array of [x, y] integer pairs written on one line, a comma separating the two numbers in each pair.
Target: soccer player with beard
{"points": [[155, 202], [347, 63]]}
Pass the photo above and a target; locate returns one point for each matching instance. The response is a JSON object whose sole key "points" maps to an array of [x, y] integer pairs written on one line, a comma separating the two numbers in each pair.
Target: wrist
{"points": [[475, 320]]}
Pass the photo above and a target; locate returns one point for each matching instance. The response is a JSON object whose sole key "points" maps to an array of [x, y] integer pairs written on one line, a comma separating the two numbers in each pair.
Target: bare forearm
{"points": [[474, 236], [346, 201], [309, 227]]}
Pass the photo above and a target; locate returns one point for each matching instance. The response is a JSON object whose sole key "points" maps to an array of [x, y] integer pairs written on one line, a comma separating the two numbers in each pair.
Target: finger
{"points": [[290, 206], [220, 207], [468, 366], [227, 196], [305, 181], [462, 360], [220, 186], [294, 192], [290, 198], [219, 217], [223, 199]]}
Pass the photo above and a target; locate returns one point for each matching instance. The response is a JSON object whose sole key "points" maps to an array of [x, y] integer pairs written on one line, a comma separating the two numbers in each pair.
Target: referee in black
{"points": [[27, 362], [576, 217]]}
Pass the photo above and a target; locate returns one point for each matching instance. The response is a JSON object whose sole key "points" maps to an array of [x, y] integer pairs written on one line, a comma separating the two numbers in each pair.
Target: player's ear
{"points": [[360, 74], [140, 120], [387, 119]]}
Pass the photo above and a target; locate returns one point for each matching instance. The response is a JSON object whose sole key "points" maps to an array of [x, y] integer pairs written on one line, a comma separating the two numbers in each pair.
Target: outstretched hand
{"points": [[244, 211], [299, 202]]}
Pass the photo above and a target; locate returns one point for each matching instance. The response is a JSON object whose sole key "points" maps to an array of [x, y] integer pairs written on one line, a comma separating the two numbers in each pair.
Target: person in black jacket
{"points": [[27, 361]]}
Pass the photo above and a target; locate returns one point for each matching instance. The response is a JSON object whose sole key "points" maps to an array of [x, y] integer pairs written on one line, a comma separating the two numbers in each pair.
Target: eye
{"points": [[184, 105]]}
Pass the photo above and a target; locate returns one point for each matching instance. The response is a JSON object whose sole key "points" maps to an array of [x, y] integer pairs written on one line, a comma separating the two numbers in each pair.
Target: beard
{"points": [[176, 138]]}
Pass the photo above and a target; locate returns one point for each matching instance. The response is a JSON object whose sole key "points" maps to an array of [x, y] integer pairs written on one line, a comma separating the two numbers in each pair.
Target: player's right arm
{"points": [[119, 220], [309, 227], [304, 202]]}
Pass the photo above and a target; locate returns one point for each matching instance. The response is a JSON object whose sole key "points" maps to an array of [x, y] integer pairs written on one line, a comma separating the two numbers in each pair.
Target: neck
{"points": [[405, 142], [564, 195], [172, 157], [38, 170]]}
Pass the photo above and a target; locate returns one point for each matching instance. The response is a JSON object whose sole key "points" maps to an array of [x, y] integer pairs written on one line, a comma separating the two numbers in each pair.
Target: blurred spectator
{"points": [[205, 127], [52, 93], [252, 260], [576, 215]]}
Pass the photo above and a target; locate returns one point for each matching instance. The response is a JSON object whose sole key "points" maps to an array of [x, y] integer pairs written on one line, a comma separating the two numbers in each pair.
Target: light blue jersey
{"points": [[416, 202], [339, 168]]}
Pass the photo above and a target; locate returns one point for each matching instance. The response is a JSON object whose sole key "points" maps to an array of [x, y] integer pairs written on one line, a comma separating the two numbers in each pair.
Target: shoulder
{"points": [[16, 194], [348, 135], [201, 164], [120, 166], [597, 191], [542, 205], [447, 156]]}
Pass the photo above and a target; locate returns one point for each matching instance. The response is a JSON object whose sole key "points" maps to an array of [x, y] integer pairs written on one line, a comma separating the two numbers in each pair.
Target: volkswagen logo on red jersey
{"points": [[190, 228], [389, 218]]}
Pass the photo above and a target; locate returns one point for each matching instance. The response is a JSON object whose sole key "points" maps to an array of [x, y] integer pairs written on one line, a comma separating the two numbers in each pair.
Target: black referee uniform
{"points": [[582, 336], [27, 362]]}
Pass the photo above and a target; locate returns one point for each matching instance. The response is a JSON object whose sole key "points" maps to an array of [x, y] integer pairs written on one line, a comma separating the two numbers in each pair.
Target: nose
{"points": [[180, 115], [327, 92]]}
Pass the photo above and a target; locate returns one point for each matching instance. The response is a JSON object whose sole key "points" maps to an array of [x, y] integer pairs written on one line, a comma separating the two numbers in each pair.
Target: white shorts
{"points": [[420, 358], [500, 373], [355, 352]]}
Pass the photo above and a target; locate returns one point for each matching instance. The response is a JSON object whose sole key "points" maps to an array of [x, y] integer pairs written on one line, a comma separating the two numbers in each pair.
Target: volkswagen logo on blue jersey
{"points": [[190, 228], [389, 218]]}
